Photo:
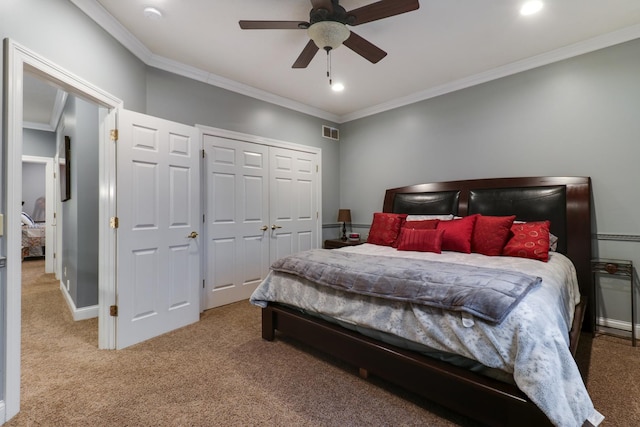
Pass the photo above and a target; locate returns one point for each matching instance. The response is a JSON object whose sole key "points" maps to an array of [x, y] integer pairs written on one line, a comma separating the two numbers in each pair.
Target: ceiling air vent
{"points": [[329, 132]]}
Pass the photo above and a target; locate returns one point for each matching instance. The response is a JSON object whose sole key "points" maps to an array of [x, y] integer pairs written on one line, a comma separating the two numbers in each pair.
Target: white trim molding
{"points": [[83, 313]]}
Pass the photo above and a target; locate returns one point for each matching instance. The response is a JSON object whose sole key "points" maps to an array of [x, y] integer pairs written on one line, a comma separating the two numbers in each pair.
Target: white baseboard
{"points": [[83, 313], [617, 324], [2, 413]]}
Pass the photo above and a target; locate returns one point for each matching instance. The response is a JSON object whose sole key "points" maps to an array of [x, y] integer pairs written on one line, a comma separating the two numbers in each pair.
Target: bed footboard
{"points": [[486, 400]]}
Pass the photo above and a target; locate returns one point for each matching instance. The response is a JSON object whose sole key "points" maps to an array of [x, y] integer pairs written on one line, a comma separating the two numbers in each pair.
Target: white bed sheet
{"points": [[532, 343]]}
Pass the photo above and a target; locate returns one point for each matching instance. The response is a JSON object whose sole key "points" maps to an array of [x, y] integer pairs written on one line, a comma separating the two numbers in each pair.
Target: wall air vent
{"points": [[329, 132]]}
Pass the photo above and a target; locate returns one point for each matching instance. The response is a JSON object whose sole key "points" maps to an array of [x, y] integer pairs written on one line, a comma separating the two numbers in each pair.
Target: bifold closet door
{"points": [[292, 201], [237, 219]]}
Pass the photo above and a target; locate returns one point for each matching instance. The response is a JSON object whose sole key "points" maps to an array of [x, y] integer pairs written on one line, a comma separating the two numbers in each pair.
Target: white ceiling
{"points": [[443, 46]]}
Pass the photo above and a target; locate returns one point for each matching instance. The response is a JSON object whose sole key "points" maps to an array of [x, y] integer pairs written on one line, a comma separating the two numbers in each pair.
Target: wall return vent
{"points": [[329, 132]]}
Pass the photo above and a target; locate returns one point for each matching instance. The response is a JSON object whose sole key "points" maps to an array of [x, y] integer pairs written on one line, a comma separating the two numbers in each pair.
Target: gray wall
{"points": [[38, 143], [187, 101], [33, 187], [80, 213], [576, 117]]}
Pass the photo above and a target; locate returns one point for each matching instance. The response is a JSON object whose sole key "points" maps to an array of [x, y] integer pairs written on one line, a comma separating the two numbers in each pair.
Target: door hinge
{"points": [[54, 255], [317, 169], [114, 134], [113, 310], [203, 284], [54, 215], [203, 153], [114, 222]]}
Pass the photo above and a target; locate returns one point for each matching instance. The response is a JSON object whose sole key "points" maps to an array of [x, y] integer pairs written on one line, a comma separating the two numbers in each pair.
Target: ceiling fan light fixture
{"points": [[337, 87], [328, 35]]}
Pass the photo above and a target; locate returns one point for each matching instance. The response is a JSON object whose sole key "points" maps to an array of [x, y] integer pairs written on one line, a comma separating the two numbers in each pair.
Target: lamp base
{"points": [[344, 231]]}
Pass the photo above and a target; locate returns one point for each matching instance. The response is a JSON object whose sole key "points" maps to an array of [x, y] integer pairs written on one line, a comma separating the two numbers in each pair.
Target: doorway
{"points": [[18, 61], [43, 213]]}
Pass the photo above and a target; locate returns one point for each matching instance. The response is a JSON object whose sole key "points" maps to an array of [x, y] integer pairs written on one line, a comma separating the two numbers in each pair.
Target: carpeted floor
{"points": [[220, 372]]}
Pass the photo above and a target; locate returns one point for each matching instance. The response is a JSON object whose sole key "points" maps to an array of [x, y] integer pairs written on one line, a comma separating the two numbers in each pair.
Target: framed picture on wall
{"points": [[64, 163]]}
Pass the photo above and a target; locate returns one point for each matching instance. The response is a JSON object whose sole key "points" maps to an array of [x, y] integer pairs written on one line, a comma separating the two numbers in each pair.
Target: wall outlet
{"points": [[65, 271], [68, 285]]}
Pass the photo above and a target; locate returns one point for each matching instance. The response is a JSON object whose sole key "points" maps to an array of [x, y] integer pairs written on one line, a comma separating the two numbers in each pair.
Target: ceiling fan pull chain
{"points": [[329, 66]]}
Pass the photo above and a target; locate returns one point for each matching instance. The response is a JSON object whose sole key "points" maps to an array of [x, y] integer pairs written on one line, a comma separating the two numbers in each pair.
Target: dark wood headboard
{"points": [[565, 201]]}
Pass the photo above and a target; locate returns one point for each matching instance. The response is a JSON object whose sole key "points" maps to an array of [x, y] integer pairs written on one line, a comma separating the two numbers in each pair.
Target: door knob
{"points": [[264, 228], [193, 235], [273, 227]]}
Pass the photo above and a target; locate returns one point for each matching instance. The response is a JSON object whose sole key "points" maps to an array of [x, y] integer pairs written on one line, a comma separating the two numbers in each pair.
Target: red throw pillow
{"points": [[427, 224], [457, 234], [422, 240], [490, 234], [530, 240], [385, 228]]}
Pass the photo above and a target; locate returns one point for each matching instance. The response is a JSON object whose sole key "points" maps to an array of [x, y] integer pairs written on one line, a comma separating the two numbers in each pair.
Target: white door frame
{"points": [[50, 209], [19, 59]]}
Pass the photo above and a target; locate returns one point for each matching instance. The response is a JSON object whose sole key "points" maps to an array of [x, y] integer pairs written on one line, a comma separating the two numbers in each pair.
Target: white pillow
{"points": [[26, 219]]}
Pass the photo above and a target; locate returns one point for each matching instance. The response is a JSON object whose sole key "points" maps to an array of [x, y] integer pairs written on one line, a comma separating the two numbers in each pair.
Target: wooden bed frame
{"points": [[484, 399]]}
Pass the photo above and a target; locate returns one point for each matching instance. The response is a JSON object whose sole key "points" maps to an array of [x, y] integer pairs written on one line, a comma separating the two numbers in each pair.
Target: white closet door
{"points": [[292, 201], [237, 219], [158, 205]]}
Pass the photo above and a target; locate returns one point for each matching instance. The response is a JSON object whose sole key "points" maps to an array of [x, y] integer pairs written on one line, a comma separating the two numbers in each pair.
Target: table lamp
{"points": [[344, 216]]}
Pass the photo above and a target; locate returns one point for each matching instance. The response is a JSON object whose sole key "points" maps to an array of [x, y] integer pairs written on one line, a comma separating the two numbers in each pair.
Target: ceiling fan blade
{"points": [[306, 56], [364, 48], [322, 4], [274, 25], [382, 9]]}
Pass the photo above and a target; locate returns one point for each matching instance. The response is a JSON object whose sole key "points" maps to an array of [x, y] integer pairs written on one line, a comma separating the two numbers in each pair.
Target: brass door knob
{"points": [[273, 227], [193, 235], [264, 228]]}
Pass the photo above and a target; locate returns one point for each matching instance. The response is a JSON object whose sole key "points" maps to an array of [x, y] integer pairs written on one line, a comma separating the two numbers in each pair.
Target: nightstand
{"points": [[339, 243], [620, 268]]}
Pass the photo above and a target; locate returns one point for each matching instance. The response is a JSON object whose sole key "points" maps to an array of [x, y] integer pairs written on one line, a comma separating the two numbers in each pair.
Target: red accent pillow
{"points": [[490, 234], [427, 224], [457, 234], [530, 240], [422, 240], [385, 228]]}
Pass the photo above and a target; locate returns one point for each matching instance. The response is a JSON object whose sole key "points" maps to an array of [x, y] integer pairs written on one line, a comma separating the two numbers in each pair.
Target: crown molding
{"points": [[181, 69], [104, 19], [570, 51], [100, 15]]}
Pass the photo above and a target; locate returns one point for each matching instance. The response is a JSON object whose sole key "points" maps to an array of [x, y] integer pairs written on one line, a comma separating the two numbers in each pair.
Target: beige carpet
{"points": [[220, 372]]}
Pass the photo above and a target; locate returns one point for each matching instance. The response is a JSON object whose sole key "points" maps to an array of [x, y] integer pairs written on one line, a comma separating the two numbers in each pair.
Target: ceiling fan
{"points": [[327, 27]]}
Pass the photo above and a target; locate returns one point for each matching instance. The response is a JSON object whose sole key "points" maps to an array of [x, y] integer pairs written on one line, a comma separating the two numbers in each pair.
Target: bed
{"points": [[33, 237], [480, 394]]}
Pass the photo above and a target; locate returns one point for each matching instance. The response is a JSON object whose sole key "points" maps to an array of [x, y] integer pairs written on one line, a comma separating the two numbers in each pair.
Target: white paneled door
{"points": [[237, 217], [292, 201], [158, 210], [261, 204]]}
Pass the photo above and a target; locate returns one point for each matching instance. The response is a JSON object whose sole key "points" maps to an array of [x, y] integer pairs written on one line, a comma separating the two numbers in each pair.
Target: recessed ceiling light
{"points": [[531, 7], [152, 13], [337, 87]]}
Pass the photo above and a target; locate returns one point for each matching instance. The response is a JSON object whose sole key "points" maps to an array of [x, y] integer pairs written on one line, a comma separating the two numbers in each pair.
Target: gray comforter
{"points": [[531, 343], [486, 293]]}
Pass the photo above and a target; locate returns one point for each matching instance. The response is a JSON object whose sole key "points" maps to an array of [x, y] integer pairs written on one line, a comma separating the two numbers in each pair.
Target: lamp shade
{"points": [[328, 34], [344, 215]]}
